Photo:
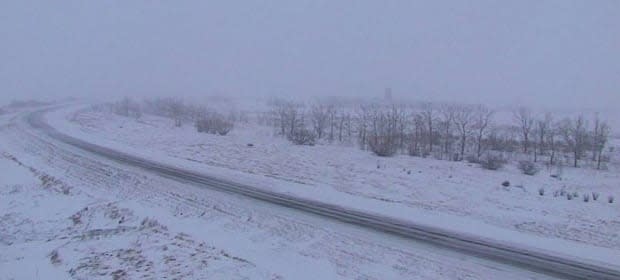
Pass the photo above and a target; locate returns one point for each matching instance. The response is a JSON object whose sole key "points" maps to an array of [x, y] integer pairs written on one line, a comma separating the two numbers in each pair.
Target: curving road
{"points": [[543, 262]]}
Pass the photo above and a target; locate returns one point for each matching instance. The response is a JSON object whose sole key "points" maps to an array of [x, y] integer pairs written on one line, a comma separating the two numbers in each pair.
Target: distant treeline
{"points": [[443, 131]]}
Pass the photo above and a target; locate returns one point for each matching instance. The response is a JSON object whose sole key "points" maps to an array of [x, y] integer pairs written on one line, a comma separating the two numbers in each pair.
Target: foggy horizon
{"points": [[553, 54], [475, 139]]}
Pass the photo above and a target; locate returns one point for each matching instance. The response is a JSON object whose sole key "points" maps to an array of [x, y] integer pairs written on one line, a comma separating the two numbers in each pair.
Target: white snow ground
{"points": [[453, 195], [65, 214]]}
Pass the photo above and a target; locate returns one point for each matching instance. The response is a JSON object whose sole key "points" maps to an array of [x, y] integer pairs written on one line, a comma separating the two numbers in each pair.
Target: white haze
{"points": [[545, 54]]}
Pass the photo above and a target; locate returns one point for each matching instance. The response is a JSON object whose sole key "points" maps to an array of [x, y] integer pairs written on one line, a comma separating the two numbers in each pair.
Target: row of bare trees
{"points": [[546, 137], [444, 131]]}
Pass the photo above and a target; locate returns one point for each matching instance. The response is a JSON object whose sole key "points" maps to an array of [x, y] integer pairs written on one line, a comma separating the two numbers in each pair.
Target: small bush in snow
{"points": [[492, 162], [575, 194], [595, 196], [54, 257], [569, 196], [586, 197], [302, 136], [152, 224], [76, 218], [506, 184], [541, 191], [528, 167], [383, 146], [214, 124], [408, 172], [610, 199]]}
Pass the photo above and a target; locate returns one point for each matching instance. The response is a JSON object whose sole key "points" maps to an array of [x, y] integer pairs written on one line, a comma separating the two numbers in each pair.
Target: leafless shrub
{"points": [[302, 136], [541, 191], [492, 162], [506, 184], [76, 218], [55, 257], [48, 180], [595, 195], [528, 167], [119, 274], [148, 223], [610, 199], [214, 123], [381, 146], [586, 197]]}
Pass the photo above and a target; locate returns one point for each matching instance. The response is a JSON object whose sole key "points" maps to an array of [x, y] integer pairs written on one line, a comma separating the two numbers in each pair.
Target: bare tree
{"points": [[525, 122], [551, 140], [176, 110], [332, 113], [288, 116], [447, 120], [363, 117], [542, 128], [463, 120], [320, 118], [416, 135], [482, 119], [429, 114], [402, 127], [595, 133], [384, 132], [343, 120], [279, 114], [575, 137], [600, 140]]}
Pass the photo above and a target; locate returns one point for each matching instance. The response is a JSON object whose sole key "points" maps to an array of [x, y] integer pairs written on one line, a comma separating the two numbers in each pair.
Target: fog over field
{"points": [[362, 139], [556, 54]]}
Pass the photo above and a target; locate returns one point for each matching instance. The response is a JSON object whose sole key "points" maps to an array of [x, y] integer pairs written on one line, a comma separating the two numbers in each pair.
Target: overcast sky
{"points": [[563, 53]]}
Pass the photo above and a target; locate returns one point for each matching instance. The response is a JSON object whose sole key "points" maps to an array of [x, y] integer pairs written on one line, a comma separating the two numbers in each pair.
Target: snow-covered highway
{"points": [[537, 261]]}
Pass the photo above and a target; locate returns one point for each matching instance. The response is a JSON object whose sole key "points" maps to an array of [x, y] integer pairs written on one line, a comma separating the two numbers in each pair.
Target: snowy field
{"points": [[453, 195], [67, 215]]}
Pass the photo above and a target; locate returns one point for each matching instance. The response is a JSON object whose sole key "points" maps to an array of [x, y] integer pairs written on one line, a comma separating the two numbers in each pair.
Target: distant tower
{"points": [[388, 94]]}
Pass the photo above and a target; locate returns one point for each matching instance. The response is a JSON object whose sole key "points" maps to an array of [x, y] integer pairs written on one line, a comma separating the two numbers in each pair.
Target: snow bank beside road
{"points": [[49, 230]]}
